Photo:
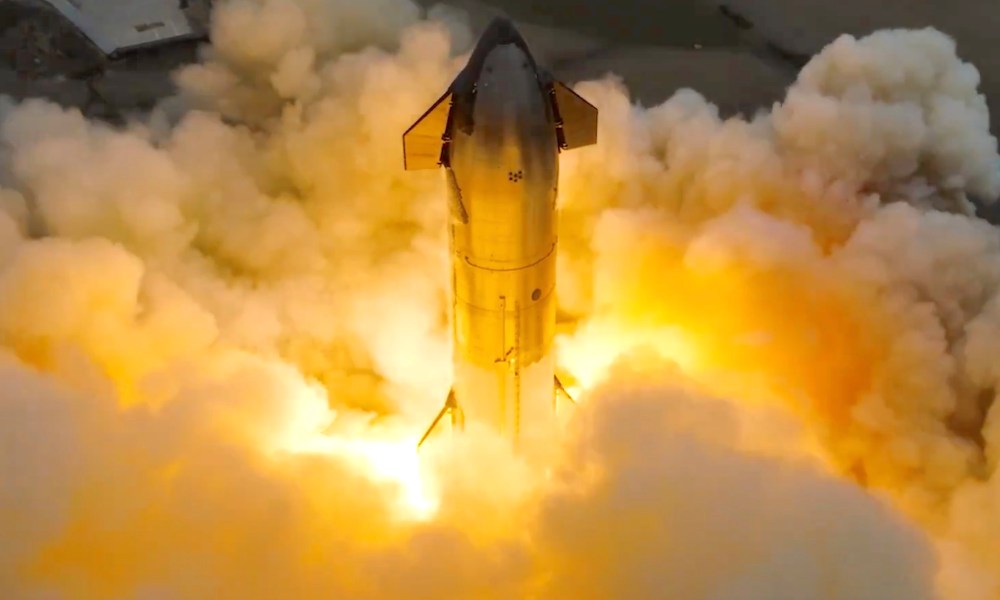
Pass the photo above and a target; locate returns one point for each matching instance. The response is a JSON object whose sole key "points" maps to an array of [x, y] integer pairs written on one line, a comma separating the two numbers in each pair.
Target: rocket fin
{"points": [[562, 391], [424, 141], [457, 417], [576, 119]]}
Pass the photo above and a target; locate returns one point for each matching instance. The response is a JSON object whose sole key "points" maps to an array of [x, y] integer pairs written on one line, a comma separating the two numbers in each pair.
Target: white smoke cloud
{"points": [[662, 496], [798, 259], [902, 119], [188, 303]]}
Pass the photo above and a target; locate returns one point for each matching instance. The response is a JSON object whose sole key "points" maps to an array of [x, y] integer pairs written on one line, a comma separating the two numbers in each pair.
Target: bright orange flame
{"points": [[385, 454], [391, 461], [593, 350]]}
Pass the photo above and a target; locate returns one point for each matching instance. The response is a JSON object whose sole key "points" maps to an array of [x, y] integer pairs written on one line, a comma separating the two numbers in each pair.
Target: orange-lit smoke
{"points": [[224, 326]]}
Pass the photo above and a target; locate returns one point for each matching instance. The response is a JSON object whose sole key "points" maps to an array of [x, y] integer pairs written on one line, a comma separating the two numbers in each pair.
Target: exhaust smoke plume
{"points": [[224, 326]]}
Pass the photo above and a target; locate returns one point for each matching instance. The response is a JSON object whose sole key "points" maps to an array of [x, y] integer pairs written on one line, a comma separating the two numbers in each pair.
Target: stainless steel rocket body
{"points": [[497, 133], [502, 180]]}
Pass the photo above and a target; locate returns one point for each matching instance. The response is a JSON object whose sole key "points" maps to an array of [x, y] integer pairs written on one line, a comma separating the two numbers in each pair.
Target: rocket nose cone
{"points": [[503, 31], [499, 32]]}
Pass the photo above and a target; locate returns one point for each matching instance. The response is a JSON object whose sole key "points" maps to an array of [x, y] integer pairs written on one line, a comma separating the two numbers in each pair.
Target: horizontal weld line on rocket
{"points": [[537, 262]]}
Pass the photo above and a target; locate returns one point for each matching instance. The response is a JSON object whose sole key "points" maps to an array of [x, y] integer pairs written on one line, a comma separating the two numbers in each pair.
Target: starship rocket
{"points": [[497, 134]]}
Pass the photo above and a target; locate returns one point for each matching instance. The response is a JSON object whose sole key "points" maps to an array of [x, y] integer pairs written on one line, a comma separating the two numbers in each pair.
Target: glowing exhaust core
{"points": [[590, 352], [394, 462], [386, 455]]}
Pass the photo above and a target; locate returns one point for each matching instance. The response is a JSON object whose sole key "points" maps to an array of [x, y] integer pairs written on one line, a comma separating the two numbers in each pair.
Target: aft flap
{"points": [[577, 118], [422, 142]]}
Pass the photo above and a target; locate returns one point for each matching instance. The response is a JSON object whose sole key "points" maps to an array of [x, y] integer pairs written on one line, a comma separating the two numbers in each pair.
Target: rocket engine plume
{"points": [[497, 133]]}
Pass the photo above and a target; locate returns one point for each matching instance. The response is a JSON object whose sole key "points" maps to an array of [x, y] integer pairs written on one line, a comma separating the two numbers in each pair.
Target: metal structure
{"points": [[116, 26], [498, 132]]}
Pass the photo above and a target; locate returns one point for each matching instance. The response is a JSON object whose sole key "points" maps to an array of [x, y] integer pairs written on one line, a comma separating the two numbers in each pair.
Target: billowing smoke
{"points": [[224, 326]]}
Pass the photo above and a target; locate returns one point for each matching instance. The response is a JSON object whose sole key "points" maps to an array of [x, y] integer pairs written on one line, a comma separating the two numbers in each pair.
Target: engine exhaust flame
{"points": [[393, 461]]}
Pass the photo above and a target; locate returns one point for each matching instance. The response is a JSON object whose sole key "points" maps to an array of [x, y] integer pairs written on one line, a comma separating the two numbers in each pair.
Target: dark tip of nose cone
{"points": [[500, 32]]}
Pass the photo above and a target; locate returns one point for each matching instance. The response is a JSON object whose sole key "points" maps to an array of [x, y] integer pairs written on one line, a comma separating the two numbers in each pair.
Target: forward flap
{"points": [[423, 141], [577, 118]]}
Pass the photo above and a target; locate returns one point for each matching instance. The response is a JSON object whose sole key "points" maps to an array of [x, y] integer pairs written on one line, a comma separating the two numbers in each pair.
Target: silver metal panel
{"points": [[117, 26]]}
